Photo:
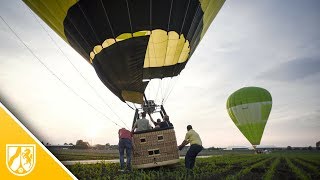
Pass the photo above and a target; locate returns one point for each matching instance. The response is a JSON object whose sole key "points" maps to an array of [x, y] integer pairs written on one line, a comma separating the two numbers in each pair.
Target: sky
{"points": [[269, 43]]}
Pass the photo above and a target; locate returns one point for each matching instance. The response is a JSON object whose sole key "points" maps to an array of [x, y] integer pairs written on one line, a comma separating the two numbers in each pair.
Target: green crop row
{"points": [[272, 169]]}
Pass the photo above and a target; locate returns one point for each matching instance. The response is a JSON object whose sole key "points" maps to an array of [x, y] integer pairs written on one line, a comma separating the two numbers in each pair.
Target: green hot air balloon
{"points": [[249, 109]]}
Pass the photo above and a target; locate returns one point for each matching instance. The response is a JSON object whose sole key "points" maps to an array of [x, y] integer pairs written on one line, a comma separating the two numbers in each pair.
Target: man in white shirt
{"points": [[142, 124]]}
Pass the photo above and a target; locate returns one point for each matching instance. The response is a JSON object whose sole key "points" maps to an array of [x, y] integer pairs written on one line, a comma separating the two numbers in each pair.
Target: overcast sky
{"points": [[271, 44]]}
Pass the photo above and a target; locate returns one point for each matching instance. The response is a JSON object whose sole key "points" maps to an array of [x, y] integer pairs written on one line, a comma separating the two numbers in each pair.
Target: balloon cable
{"points": [[53, 72], [74, 67]]}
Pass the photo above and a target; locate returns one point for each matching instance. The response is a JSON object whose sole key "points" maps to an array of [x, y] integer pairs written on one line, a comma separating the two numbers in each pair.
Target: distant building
{"points": [[268, 147], [233, 148]]}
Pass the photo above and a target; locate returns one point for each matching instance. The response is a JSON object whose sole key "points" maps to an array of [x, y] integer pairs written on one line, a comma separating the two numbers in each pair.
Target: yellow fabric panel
{"points": [[108, 42], [171, 47], [185, 52], [97, 49], [210, 9], [52, 12], [124, 36], [132, 96], [164, 48], [141, 33], [179, 47], [156, 50]]}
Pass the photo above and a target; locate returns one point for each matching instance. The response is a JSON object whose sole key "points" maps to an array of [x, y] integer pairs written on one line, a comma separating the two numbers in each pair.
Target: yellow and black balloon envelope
{"points": [[127, 41]]}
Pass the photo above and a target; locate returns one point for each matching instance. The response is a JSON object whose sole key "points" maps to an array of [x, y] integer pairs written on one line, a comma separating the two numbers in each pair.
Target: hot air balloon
{"points": [[127, 41], [130, 43], [249, 109]]}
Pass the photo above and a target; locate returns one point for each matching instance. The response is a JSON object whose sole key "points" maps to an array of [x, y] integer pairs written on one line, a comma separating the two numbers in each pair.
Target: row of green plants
{"points": [[216, 167]]}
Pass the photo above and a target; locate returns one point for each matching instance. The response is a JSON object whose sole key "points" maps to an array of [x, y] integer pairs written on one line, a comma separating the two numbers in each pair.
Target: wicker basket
{"points": [[155, 148]]}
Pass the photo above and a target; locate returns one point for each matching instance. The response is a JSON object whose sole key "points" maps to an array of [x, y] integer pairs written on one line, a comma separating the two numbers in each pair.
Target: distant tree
{"points": [[318, 145], [309, 148], [114, 147], [289, 148], [71, 144], [65, 144], [99, 147], [108, 146], [80, 144], [211, 148]]}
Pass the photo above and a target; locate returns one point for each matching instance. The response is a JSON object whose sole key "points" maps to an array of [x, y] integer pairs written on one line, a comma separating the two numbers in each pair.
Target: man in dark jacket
{"points": [[166, 122]]}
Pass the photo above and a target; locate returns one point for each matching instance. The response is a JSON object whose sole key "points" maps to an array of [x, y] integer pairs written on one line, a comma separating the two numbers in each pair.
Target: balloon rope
{"points": [[185, 15], [129, 17], [105, 13], [172, 87], [74, 67], [91, 27], [17, 36], [169, 16]]}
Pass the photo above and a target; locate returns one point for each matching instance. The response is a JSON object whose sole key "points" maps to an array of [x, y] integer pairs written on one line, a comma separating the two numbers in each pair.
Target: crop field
{"points": [[74, 154], [277, 165], [88, 154]]}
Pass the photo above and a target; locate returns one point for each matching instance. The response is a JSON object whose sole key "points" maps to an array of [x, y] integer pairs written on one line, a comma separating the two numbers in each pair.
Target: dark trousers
{"points": [[125, 144], [191, 155]]}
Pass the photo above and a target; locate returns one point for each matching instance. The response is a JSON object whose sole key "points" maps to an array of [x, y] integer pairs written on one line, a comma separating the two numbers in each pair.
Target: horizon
{"points": [[267, 44]]}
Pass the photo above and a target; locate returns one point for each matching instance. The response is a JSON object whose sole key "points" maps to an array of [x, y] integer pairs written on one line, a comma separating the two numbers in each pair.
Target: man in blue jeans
{"points": [[125, 143], [193, 138]]}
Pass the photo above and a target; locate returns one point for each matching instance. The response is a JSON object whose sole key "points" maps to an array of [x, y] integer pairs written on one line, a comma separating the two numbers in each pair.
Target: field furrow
{"points": [[313, 173], [243, 174]]}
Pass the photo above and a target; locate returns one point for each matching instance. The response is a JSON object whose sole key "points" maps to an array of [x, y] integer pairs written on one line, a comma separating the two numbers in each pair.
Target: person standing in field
{"points": [[125, 143], [193, 138]]}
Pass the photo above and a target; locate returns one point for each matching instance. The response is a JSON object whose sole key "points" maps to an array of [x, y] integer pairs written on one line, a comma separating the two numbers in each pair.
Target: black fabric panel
{"points": [[193, 19], [161, 72], [140, 15], [179, 8], [120, 66], [160, 14]]}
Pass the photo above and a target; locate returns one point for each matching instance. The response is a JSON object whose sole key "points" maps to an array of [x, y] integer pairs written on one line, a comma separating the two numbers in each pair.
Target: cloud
{"points": [[293, 70]]}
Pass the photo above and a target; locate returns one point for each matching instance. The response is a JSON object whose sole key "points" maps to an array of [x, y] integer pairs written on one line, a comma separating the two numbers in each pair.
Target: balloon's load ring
{"points": [[150, 107]]}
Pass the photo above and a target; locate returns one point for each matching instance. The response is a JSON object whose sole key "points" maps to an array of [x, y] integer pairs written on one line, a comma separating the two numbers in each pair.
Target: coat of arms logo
{"points": [[21, 158]]}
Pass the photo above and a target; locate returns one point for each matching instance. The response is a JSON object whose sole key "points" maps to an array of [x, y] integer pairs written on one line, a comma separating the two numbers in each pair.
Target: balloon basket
{"points": [[154, 148]]}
